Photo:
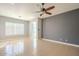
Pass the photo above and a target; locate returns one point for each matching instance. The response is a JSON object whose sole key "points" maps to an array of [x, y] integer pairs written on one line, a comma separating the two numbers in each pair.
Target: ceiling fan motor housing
{"points": [[43, 9]]}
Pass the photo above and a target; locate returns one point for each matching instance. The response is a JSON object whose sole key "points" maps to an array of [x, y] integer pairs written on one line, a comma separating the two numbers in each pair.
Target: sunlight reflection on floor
{"points": [[13, 48]]}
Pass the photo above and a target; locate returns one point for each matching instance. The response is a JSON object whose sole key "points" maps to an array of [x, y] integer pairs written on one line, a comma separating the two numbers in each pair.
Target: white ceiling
{"points": [[26, 11]]}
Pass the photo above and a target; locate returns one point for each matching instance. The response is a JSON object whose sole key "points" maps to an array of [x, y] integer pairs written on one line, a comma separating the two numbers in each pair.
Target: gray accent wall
{"points": [[63, 27], [8, 19]]}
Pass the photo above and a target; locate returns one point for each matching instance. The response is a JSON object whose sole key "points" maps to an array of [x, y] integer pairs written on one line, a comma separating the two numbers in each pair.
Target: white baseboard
{"points": [[74, 45]]}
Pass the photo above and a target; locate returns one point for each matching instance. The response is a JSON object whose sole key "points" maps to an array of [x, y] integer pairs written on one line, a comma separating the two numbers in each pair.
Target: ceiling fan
{"points": [[45, 10]]}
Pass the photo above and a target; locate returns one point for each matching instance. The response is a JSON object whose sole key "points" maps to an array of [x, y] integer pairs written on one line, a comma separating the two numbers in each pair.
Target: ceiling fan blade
{"points": [[41, 14], [48, 13], [50, 8]]}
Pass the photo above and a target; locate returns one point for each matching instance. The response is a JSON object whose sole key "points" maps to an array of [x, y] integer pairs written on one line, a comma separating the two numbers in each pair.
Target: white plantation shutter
{"points": [[14, 29]]}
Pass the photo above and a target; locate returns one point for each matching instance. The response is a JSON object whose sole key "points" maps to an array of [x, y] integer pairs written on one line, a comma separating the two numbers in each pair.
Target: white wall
{"points": [[33, 32]]}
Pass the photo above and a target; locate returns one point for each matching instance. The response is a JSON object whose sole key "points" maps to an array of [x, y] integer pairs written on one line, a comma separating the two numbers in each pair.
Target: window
{"points": [[14, 29]]}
